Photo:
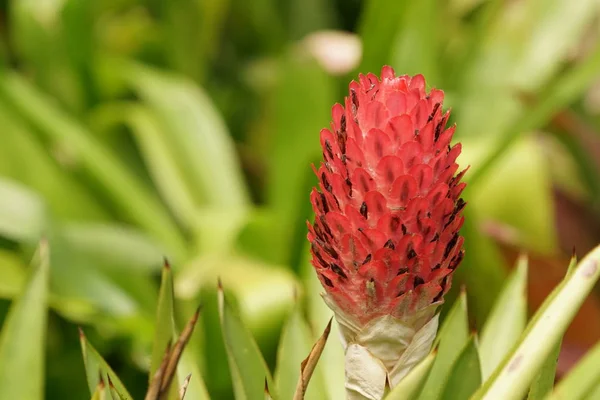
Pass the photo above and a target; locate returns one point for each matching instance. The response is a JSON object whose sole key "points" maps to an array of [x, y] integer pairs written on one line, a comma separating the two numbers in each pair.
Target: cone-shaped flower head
{"points": [[385, 240]]}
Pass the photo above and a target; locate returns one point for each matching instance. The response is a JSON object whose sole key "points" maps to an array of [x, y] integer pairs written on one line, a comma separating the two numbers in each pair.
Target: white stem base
{"points": [[381, 353]]}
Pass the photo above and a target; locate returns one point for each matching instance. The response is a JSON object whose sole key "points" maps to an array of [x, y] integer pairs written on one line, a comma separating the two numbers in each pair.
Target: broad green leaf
{"points": [[13, 274], [452, 338], [22, 212], [132, 198], [196, 133], [506, 321], [113, 245], [96, 368], [544, 382], [248, 368], [23, 336], [465, 376], [411, 385], [162, 162], [560, 22], [560, 93], [594, 393], [294, 346], [25, 157], [514, 375], [581, 380], [529, 211]]}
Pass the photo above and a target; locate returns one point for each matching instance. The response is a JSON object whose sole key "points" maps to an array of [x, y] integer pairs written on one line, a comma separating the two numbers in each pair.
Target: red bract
{"points": [[385, 240]]}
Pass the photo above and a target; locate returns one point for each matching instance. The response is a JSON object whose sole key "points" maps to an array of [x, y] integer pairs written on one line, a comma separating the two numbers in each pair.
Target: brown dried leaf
{"points": [[308, 365]]}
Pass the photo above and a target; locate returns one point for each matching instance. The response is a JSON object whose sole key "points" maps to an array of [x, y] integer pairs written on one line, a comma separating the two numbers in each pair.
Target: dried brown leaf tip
{"points": [[163, 378], [309, 364]]}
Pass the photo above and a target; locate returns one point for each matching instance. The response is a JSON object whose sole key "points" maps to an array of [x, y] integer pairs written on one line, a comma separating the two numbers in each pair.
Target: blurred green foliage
{"points": [[136, 129]]}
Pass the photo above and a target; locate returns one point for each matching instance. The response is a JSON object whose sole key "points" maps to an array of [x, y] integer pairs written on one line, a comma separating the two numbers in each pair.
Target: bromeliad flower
{"points": [[385, 240]]}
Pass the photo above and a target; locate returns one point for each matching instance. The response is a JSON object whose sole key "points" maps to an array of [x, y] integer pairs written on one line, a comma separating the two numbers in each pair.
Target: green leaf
{"points": [[116, 246], [581, 380], [506, 321], [410, 386], [514, 375], [544, 382], [522, 169], [166, 334], [196, 134], [465, 376], [22, 341], [452, 338], [162, 162], [133, 199], [22, 212], [248, 368], [27, 158], [97, 369], [295, 345], [562, 92], [13, 274], [163, 335]]}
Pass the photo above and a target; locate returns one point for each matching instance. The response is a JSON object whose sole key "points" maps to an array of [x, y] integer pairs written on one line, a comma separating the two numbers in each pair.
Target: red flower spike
{"points": [[385, 240]]}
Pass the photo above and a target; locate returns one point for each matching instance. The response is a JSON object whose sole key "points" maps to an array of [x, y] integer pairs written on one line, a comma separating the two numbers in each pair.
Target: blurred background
{"points": [[136, 129]]}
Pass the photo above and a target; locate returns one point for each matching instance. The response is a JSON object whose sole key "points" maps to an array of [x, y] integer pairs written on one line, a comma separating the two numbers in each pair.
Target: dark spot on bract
{"points": [[450, 245], [363, 210], [411, 254], [402, 271], [435, 108], [327, 280], [367, 259], [336, 268], [389, 244], [328, 149], [418, 281], [325, 182]]}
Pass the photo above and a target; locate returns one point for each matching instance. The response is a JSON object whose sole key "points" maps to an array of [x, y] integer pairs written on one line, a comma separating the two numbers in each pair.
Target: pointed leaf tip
{"points": [[166, 263], [219, 284], [308, 365], [184, 386]]}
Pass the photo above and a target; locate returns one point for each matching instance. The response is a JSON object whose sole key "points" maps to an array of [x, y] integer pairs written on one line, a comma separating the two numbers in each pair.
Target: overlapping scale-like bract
{"points": [[385, 239]]}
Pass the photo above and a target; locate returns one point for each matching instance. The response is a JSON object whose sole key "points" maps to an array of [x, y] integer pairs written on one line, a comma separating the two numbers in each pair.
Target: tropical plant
{"points": [[137, 130]]}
